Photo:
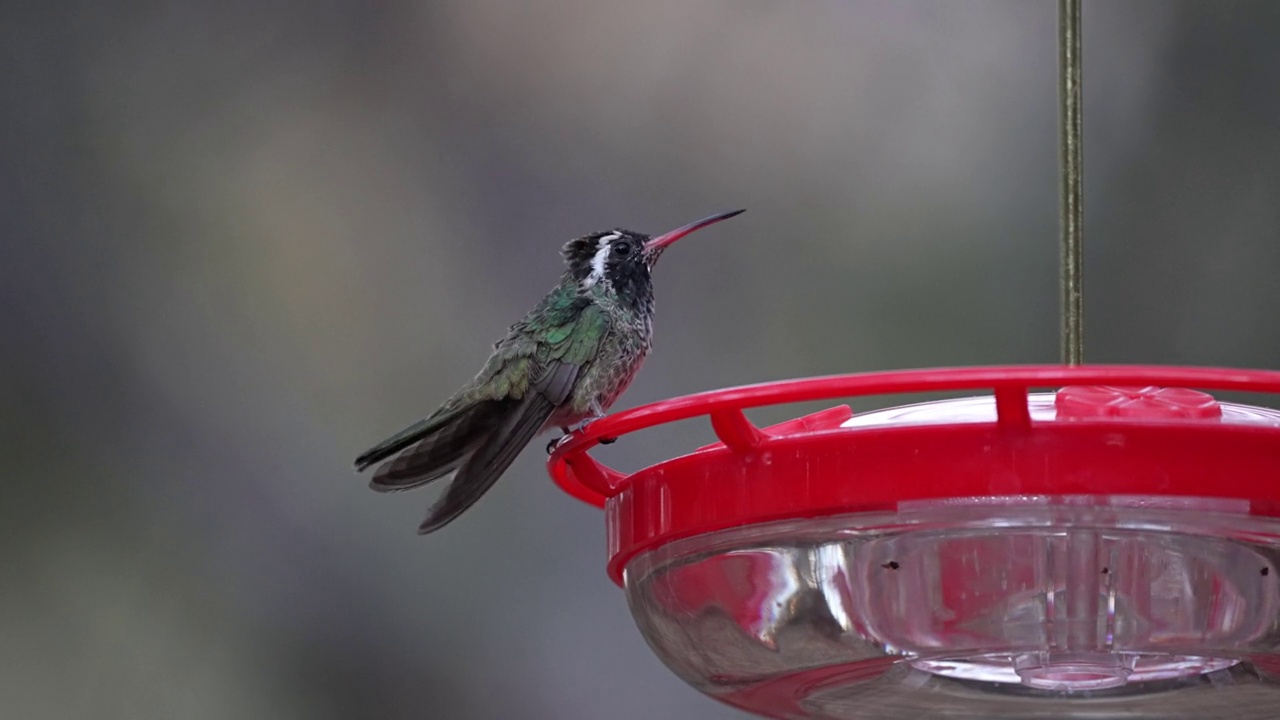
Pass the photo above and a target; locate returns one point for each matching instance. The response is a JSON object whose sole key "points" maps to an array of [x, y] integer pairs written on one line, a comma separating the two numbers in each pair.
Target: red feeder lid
{"points": [[1110, 430]]}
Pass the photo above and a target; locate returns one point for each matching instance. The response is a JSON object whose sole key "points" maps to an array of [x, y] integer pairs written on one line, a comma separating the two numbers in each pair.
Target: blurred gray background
{"points": [[244, 240]]}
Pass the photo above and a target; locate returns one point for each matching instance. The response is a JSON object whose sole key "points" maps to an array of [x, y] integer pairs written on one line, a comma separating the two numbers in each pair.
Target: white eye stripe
{"points": [[598, 260]]}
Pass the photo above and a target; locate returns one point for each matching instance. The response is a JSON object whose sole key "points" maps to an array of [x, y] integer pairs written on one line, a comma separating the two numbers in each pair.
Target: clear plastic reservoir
{"points": [[1027, 606], [1115, 607]]}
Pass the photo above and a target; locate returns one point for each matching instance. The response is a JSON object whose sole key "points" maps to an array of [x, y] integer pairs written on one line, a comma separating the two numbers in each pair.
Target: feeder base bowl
{"points": [[1009, 607]]}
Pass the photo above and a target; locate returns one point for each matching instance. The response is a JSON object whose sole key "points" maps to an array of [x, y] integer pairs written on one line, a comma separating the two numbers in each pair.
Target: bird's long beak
{"points": [[655, 246]]}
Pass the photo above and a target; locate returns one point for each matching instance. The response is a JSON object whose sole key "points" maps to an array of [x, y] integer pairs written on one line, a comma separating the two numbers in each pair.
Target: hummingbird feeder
{"points": [[1071, 541], [1109, 549]]}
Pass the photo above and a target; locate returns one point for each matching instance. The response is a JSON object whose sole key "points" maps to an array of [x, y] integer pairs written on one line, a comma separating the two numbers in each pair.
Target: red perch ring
{"points": [[1118, 430]]}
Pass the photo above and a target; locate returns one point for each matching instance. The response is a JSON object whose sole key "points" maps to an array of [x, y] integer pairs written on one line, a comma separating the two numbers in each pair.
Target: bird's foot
{"points": [[583, 426], [555, 442], [585, 422]]}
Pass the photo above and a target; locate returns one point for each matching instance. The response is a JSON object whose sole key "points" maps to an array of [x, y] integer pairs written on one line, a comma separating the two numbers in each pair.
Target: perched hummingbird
{"points": [[561, 366]]}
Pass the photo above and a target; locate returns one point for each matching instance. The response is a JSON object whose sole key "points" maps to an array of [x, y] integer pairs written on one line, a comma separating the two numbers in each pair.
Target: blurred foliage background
{"points": [[244, 240]]}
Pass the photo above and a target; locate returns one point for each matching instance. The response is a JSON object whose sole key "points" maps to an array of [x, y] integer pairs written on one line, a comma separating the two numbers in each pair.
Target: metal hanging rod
{"points": [[1071, 163]]}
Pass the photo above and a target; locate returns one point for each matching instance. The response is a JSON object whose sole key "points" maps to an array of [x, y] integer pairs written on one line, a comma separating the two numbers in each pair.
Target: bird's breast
{"points": [[622, 351]]}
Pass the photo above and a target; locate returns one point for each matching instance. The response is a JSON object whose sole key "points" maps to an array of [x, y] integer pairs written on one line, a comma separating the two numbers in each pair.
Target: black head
{"points": [[621, 260], [613, 261]]}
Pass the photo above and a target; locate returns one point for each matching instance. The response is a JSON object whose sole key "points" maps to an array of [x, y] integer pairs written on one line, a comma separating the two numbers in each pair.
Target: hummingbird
{"points": [[561, 366]]}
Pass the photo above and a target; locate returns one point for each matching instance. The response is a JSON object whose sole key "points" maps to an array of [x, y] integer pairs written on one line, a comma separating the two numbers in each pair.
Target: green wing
{"points": [[479, 431], [560, 331], [576, 339]]}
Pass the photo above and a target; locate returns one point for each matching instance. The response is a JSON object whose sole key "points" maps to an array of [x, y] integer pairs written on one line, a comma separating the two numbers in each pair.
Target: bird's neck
{"points": [[632, 299]]}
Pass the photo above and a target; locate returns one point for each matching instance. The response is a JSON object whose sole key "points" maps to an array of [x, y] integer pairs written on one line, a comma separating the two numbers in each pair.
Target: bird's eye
{"points": [[622, 248]]}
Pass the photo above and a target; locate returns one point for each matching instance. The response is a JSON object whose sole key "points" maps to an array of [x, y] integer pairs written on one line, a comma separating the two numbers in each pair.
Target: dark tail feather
{"points": [[475, 443], [489, 460], [411, 470], [432, 448], [400, 441]]}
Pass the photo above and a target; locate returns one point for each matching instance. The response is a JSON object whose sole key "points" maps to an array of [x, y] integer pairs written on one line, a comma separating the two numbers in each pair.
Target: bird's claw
{"points": [[555, 443], [587, 421], [599, 414]]}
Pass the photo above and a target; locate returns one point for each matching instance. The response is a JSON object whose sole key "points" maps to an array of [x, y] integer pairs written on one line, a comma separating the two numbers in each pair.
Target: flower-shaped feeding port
{"points": [[1107, 549]]}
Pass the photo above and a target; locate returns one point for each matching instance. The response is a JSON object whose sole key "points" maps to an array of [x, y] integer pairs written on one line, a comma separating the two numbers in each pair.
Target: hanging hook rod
{"points": [[1071, 163]]}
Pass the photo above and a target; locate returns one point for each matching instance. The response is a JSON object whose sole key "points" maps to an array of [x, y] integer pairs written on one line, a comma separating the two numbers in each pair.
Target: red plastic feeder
{"points": [[1108, 550]]}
